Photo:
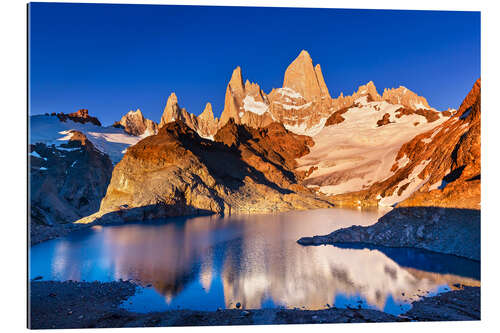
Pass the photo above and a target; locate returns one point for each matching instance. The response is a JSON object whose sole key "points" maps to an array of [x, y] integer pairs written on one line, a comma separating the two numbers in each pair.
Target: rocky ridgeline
{"points": [[303, 104], [440, 167], [80, 116]]}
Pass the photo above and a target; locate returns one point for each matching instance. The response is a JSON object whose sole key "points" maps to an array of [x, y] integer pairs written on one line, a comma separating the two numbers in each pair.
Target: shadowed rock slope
{"points": [[67, 182], [176, 172]]}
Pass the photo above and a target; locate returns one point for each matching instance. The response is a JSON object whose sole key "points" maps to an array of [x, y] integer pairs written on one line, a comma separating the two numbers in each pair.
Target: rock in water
{"points": [[443, 230]]}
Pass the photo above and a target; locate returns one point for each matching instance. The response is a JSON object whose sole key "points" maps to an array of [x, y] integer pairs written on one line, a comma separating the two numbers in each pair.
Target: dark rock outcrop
{"points": [[81, 116], [67, 182], [443, 230]]}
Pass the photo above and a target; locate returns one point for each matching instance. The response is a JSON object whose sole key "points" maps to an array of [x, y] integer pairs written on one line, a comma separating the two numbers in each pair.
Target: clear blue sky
{"points": [[114, 58]]}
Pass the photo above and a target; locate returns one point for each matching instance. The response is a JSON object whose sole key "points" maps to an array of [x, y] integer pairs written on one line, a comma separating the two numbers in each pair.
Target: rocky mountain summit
{"points": [[303, 104], [134, 123], [176, 172], [80, 116], [67, 182], [205, 124]]}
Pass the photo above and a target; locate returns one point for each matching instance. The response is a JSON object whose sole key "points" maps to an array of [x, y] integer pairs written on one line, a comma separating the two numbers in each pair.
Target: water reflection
{"points": [[210, 262]]}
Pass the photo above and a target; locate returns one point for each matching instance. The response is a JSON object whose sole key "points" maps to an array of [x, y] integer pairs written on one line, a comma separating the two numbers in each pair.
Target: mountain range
{"points": [[295, 147]]}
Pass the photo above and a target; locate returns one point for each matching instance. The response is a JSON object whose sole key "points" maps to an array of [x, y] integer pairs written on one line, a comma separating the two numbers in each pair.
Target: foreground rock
{"points": [[462, 304], [443, 230], [67, 182], [92, 305], [176, 172]]}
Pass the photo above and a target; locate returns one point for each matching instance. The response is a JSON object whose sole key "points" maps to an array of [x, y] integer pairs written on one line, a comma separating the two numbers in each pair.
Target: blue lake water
{"points": [[205, 263]]}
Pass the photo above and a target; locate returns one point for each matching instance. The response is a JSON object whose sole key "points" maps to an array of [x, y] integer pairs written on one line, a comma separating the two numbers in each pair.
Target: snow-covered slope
{"points": [[109, 140], [360, 150]]}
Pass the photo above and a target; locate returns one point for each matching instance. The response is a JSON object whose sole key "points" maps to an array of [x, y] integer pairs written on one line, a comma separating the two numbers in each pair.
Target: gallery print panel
{"points": [[209, 165]]}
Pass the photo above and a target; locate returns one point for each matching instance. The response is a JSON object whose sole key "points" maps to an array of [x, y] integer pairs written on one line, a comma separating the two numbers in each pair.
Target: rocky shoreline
{"points": [[442, 230], [73, 304]]}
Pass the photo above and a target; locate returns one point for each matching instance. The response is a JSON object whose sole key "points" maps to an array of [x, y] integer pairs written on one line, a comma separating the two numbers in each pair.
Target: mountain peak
{"points": [[171, 111], [172, 98], [236, 81], [405, 97], [369, 90], [136, 112], [304, 79], [304, 54], [134, 123], [207, 113]]}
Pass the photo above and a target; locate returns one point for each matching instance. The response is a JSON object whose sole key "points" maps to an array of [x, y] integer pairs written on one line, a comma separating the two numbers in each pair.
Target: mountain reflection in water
{"points": [[210, 262]]}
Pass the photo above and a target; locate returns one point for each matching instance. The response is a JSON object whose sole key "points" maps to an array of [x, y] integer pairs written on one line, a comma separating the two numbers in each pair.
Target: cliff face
{"points": [[176, 172], [440, 167], [454, 170], [67, 182]]}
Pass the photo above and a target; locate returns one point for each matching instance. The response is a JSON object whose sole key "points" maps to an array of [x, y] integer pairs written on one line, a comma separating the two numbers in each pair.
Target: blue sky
{"points": [[114, 58]]}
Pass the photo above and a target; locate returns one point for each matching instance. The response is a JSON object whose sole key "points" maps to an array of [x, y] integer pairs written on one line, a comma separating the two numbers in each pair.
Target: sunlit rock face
{"points": [[245, 102], [134, 123], [301, 105]]}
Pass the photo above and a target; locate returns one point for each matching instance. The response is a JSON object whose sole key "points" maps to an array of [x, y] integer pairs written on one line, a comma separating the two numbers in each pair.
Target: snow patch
{"points": [[288, 92], [109, 140], [429, 140], [293, 107], [35, 154], [302, 129], [402, 162], [419, 105], [250, 104]]}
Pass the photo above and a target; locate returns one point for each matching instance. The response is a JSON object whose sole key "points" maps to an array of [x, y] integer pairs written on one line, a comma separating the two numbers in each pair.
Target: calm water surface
{"points": [[206, 263]]}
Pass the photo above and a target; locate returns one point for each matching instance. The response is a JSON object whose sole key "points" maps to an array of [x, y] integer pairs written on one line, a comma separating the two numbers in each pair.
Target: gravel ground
{"points": [[72, 304]]}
